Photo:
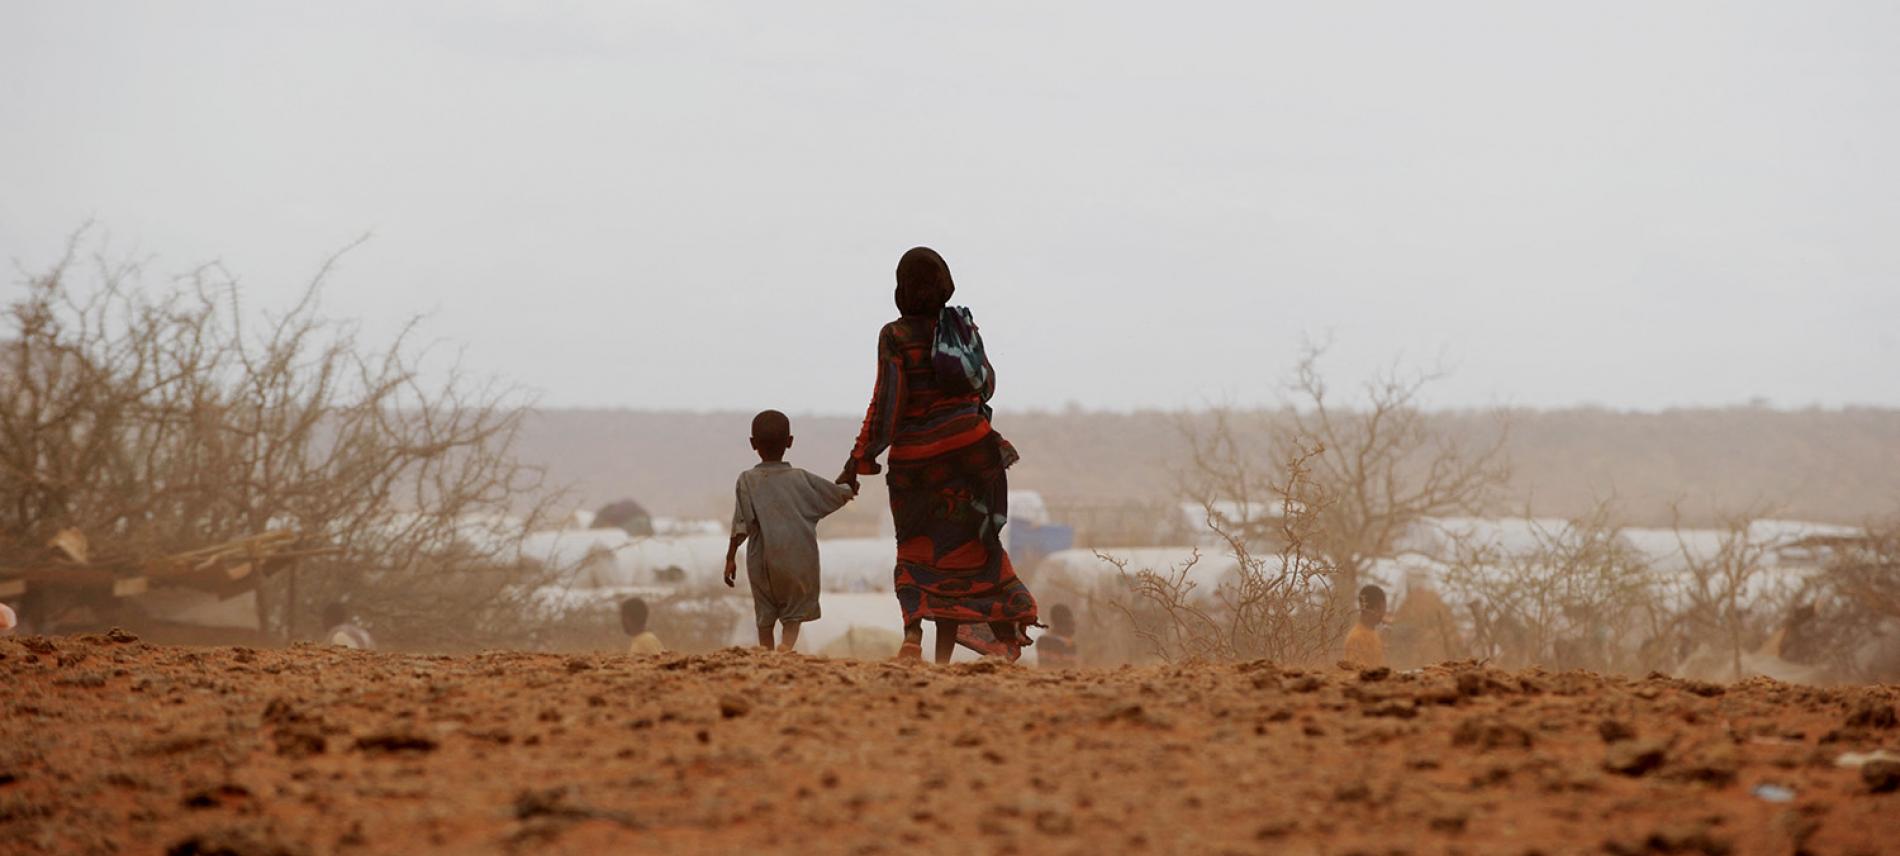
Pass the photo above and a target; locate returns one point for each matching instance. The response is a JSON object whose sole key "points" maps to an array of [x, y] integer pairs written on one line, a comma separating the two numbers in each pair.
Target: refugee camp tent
{"points": [[626, 515]]}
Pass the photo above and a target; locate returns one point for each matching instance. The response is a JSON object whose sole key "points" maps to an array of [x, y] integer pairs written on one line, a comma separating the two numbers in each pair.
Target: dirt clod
{"points": [[1471, 683], [394, 742], [1612, 730], [1634, 757], [1715, 764], [1871, 713], [1880, 776], [235, 841], [300, 743], [733, 705], [1396, 708], [1486, 733]]}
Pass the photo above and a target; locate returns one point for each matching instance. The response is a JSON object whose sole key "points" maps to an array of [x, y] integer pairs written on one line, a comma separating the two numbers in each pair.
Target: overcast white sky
{"points": [[699, 204]]}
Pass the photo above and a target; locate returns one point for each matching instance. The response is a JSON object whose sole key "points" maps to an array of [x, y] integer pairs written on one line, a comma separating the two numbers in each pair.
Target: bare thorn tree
{"points": [[1383, 465], [159, 420]]}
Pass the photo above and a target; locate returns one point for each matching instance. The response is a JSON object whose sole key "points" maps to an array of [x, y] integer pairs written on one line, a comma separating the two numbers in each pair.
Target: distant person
{"points": [[633, 619], [1800, 639], [343, 631], [1364, 648], [777, 508], [1056, 648], [949, 494], [1424, 630]]}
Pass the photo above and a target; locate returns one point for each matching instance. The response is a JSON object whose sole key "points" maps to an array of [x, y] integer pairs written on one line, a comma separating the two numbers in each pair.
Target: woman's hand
{"points": [[849, 477]]}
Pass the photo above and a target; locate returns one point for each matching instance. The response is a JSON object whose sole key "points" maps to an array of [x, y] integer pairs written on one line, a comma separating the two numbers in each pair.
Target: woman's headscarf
{"points": [[923, 283]]}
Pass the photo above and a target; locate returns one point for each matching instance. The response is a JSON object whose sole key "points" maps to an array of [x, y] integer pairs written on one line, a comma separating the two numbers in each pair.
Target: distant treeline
{"points": [[1828, 465]]}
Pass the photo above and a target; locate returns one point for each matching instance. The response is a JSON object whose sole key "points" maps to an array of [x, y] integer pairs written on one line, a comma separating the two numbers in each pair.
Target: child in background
{"points": [[777, 509], [1364, 648], [342, 631], [633, 619], [1056, 649]]}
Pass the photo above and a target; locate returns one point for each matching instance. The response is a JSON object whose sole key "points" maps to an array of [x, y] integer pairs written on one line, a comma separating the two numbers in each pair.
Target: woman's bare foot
{"points": [[946, 641], [910, 652]]}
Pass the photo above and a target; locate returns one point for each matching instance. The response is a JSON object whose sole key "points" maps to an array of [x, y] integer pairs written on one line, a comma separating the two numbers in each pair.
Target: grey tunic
{"points": [[778, 508]]}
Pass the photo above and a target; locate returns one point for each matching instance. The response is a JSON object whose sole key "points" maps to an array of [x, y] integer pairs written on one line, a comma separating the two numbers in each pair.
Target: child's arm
{"points": [[829, 496], [741, 525], [732, 558]]}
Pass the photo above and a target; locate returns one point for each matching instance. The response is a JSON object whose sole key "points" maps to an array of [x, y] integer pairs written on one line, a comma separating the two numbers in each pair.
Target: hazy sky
{"points": [[697, 204]]}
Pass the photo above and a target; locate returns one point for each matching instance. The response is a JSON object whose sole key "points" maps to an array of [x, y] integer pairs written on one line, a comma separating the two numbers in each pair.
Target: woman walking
{"points": [[949, 495]]}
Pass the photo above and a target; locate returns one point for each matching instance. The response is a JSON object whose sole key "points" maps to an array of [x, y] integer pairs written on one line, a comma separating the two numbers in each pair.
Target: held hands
{"points": [[849, 477]]}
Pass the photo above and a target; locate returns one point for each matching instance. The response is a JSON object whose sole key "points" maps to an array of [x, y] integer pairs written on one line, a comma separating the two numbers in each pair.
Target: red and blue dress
{"points": [[949, 494]]}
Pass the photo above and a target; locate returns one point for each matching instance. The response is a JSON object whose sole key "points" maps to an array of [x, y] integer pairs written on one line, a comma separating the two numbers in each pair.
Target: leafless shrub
{"points": [[1564, 601], [1845, 621], [1867, 570], [159, 419], [1277, 606], [1726, 604]]}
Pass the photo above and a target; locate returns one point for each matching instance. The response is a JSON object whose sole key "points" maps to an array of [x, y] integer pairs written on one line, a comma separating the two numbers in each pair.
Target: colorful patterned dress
{"points": [[949, 494]]}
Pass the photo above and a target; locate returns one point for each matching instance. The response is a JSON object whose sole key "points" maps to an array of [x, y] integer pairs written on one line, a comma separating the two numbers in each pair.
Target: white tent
{"points": [[1439, 536], [613, 559], [857, 564]]}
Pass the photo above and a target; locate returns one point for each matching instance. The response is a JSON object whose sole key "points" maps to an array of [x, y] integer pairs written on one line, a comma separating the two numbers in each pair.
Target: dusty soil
{"points": [[118, 746]]}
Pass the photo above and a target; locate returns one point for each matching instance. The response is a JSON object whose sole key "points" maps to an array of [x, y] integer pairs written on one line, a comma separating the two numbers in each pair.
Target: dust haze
{"points": [[1377, 427]]}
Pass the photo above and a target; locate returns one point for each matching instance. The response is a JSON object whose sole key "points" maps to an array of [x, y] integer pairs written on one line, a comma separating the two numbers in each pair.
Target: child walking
{"points": [[777, 510]]}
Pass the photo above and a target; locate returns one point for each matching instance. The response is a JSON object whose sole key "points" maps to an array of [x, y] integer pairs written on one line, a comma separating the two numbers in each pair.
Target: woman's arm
{"points": [[880, 419]]}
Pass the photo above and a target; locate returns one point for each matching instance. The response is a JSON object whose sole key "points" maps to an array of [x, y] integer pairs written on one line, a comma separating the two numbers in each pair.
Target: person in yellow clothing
{"points": [[1364, 648], [633, 619]]}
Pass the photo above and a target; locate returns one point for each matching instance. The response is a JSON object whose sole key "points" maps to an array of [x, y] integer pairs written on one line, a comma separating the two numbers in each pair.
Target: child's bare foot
{"points": [[784, 648]]}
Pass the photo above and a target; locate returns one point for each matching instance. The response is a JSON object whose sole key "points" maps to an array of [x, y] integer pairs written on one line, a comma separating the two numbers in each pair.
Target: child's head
{"points": [[771, 435], [633, 616], [1371, 606], [1061, 620], [335, 615]]}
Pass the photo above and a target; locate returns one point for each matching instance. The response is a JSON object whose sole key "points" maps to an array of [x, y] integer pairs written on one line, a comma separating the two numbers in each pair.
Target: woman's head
{"points": [[923, 282]]}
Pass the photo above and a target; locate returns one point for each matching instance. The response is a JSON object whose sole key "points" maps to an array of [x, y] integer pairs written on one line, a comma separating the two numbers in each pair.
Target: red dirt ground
{"points": [[121, 747]]}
